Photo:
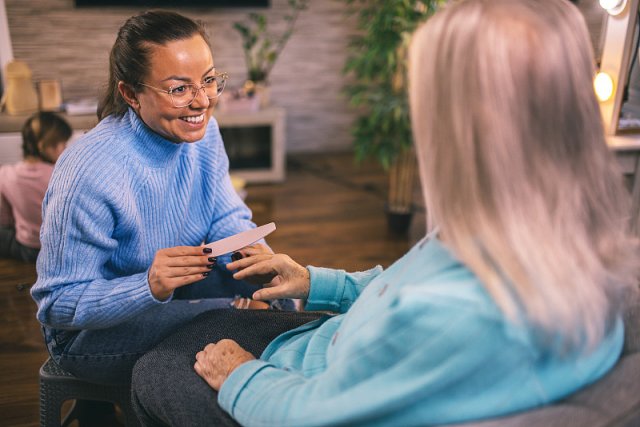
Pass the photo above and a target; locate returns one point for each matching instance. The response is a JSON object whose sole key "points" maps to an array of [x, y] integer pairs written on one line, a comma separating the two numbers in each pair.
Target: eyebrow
{"points": [[187, 79]]}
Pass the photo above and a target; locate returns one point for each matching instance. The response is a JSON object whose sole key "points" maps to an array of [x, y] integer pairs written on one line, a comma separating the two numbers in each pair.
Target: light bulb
{"points": [[613, 7], [603, 85]]}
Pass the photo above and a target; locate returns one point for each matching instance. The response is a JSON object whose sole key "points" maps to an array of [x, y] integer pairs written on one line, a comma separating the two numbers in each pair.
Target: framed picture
{"points": [[50, 95]]}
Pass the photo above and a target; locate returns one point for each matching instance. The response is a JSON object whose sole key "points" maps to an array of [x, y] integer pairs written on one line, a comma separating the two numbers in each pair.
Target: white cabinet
{"points": [[254, 140], [255, 143], [10, 147]]}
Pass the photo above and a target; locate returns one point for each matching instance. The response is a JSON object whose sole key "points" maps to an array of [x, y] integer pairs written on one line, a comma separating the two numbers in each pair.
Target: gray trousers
{"points": [[166, 391]]}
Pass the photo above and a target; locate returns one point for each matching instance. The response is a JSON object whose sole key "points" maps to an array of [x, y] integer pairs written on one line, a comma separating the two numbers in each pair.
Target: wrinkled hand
{"points": [[281, 276], [176, 267], [216, 361], [255, 249]]}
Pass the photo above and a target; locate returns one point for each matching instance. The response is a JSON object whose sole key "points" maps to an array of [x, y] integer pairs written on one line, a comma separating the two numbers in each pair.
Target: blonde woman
{"points": [[512, 304]]}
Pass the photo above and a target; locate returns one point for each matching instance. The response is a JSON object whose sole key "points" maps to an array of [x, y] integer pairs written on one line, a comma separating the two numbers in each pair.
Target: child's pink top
{"points": [[22, 188]]}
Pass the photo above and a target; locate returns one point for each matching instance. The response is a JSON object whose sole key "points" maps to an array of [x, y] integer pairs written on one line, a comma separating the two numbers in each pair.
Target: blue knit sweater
{"points": [[118, 195], [419, 344]]}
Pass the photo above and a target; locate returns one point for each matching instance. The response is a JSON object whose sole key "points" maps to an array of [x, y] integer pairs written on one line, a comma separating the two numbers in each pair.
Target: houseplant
{"points": [[261, 47], [378, 88]]}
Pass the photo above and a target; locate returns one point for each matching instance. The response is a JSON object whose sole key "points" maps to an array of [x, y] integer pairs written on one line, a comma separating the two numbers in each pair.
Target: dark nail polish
{"points": [[205, 274], [213, 260], [236, 256], [211, 265], [207, 250]]}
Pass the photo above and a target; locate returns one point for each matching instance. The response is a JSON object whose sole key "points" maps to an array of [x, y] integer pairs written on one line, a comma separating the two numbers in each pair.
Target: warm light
{"points": [[603, 85], [614, 7]]}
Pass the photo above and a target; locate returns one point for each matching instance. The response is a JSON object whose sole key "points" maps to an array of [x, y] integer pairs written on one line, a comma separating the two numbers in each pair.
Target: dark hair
{"points": [[129, 58], [43, 130]]}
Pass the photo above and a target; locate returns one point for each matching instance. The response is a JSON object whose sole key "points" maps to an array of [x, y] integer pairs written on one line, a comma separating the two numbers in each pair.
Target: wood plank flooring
{"points": [[329, 212]]}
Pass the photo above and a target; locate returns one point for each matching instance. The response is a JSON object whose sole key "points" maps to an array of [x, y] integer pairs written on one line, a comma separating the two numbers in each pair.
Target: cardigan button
{"points": [[383, 290]]}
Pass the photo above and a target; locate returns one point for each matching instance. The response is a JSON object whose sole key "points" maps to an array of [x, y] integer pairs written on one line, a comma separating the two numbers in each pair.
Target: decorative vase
{"points": [[263, 92], [20, 96]]}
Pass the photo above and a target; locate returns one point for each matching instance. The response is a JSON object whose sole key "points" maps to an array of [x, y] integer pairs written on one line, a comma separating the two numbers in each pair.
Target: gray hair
{"points": [[514, 163]]}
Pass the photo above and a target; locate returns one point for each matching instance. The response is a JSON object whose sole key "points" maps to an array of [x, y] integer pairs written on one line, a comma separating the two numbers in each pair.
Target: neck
{"points": [[32, 159]]}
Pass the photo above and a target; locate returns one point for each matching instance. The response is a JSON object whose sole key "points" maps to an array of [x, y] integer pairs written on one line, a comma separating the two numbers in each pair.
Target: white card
{"points": [[240, 240]]}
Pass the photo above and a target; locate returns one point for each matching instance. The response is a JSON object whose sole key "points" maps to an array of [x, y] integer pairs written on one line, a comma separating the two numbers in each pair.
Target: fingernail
{"points": [[213, 259], [205, 274], [207, 250], [211, 265], [236, 256]]}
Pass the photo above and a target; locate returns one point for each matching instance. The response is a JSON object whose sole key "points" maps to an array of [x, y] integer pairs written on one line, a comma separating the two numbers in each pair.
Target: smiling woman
{"points": [[131, 203], [180, 112]]}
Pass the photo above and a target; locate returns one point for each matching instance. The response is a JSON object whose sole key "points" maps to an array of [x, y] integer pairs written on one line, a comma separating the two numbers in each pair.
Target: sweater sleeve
{"points": [[72, 290], [412, 358], [336, 290]]}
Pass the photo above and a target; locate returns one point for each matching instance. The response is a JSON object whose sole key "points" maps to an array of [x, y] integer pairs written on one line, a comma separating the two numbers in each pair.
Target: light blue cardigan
{"points": [[421, 343]]}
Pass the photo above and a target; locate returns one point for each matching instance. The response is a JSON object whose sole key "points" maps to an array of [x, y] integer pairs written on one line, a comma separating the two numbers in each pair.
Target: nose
{"points": [[201, 100]]}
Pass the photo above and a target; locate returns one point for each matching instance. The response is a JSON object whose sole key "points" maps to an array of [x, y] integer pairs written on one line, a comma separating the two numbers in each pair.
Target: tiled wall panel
{"points": [[61, 42]]}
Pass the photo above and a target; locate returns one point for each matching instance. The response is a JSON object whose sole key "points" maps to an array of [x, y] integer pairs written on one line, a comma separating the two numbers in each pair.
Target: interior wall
{"points": [[72, 45]]}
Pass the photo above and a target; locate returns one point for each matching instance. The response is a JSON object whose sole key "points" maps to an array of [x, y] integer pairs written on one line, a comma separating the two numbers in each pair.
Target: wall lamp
{"points": [[613, 7], [603, 86]]}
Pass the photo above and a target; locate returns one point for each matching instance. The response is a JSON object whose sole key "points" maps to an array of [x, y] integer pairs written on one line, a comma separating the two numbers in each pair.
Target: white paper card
{"points": [[240, 240]]}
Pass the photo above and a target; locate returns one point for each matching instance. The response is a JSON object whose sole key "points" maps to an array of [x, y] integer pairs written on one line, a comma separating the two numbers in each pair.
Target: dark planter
{"points": [[399, 222]]}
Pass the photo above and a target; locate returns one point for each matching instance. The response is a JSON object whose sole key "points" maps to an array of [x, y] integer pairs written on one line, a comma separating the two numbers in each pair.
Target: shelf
{"points": [[255, 141]]}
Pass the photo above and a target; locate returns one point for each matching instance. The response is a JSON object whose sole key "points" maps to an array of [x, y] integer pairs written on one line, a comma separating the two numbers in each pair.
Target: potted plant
{"points": [[378, 88], [262, 48]]}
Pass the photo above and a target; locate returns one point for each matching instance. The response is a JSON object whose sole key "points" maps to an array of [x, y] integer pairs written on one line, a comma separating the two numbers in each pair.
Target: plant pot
{"points": [[263, 92], [399, 222]]}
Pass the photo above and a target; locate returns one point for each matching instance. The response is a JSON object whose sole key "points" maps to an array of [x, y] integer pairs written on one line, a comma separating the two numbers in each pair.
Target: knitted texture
{"points": [[118, 195], [165, 375]]}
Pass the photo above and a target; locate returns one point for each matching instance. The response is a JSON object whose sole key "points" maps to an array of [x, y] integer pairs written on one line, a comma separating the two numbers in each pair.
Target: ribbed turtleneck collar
{"points": [[157, 152]]}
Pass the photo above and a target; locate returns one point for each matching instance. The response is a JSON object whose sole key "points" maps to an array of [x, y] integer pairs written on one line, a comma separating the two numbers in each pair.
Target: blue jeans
{"points": [[107, 356]]}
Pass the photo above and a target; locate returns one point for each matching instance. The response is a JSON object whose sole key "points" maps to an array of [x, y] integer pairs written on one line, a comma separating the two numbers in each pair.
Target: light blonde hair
{"points": [[514, 164]]}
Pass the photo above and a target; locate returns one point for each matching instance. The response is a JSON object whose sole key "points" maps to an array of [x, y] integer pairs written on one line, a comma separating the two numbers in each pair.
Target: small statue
{"points": [[20, 96]]}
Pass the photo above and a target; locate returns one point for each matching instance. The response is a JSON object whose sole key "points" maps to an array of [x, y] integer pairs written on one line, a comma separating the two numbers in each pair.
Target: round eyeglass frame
{"points": [[195, 90]]}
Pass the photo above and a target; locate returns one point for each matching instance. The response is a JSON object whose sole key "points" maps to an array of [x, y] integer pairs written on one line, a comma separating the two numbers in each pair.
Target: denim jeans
{"points": [[107, 356], [11, 248]]}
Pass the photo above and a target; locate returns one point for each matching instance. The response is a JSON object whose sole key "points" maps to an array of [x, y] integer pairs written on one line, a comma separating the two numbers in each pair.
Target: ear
{"points": [[129, 95]]}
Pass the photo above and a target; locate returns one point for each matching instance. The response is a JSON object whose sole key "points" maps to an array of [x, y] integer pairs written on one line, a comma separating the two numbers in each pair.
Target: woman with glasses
{"points": [[512, 303], [131, 203]]}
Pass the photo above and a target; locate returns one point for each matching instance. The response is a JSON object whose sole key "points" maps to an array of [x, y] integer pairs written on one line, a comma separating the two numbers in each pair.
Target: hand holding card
{"points": [[240, 240]]}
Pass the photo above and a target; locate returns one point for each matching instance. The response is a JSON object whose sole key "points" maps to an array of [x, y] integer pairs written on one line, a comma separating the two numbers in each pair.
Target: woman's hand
{"points": [[281, 276], [176, 267], [216, 362]]}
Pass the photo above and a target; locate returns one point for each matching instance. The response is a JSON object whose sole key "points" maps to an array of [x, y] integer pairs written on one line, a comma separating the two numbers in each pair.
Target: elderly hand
{"points": [[281, 276], [255, 249], [216, 362]]}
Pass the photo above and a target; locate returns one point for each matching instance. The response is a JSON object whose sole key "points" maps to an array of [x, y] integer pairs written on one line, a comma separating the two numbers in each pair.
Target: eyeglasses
{"points": [[183, 95]]}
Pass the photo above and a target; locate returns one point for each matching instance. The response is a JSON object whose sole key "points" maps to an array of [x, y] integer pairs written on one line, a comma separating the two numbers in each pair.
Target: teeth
{"points": [[196, 119]]}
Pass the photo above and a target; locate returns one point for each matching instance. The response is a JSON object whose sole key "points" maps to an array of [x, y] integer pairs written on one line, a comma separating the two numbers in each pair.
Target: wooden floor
{"points": [[329, 212]]}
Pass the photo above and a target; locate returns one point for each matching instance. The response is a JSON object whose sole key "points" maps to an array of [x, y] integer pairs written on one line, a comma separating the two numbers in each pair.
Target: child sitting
{"points": [[23, 185]]}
